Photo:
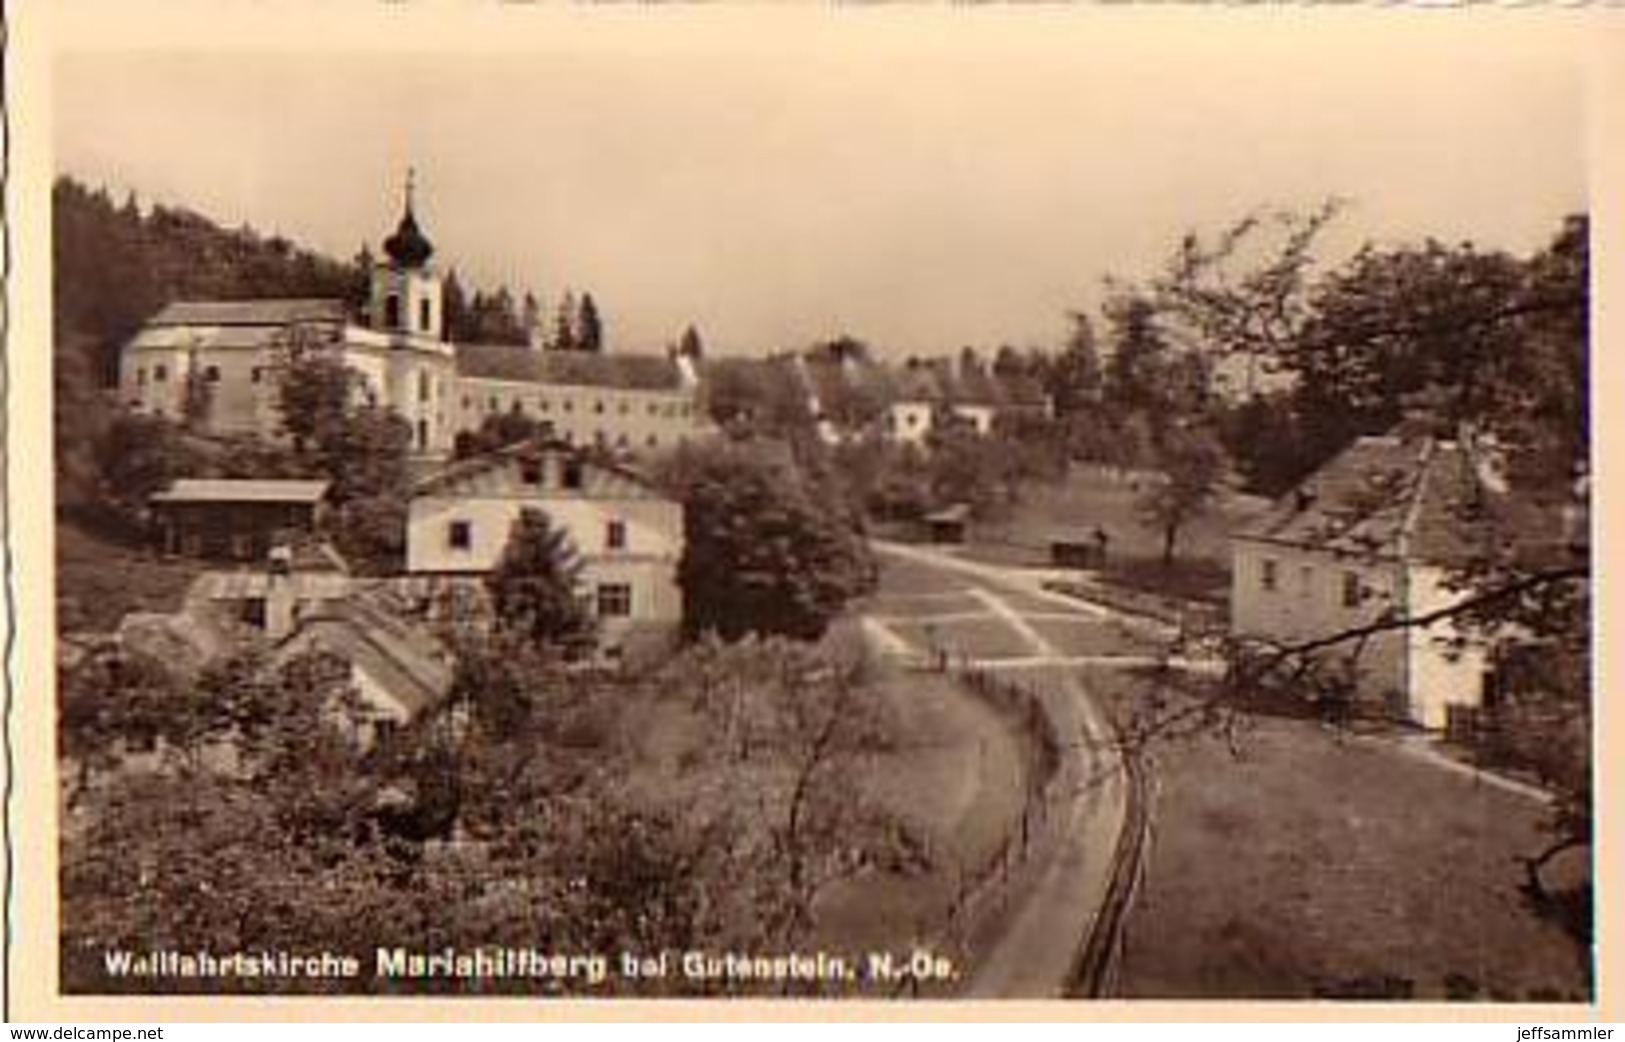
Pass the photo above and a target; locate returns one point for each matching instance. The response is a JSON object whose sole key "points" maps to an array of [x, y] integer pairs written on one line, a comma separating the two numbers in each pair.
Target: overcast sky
{"points": [[923, 181]]}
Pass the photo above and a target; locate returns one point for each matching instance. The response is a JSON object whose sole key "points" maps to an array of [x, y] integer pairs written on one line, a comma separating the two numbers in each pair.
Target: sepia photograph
{"points": [[859, 505]]}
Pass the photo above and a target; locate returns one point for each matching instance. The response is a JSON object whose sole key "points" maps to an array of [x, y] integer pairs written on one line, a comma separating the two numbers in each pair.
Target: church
{"points": [[216, 363]]}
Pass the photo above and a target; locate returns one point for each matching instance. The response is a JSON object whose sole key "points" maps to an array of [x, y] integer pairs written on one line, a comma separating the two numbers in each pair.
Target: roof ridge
{"points": [[1413, 508]]}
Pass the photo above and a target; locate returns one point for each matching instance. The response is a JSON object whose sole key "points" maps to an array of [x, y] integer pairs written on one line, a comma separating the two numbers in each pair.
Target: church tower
{"points": [[420, 371], [405, 297]]}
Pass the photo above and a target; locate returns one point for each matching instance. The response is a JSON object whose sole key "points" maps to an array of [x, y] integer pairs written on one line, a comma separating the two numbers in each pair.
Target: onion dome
{"points": [[408, 247]]}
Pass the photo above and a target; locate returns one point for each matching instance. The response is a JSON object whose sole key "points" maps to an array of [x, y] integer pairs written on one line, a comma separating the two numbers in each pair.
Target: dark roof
{"points": [[631, 372], [248, 312], [1415, 498], [408, 247], [400, 657]]}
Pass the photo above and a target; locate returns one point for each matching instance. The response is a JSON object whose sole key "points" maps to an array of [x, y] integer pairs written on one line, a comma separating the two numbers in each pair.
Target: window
{"points": [[1267, 578], [256, 374], [468, 403], [614, 600], [423, 315], [652, 441], [615, 535], [569, 405], [460, 535], [1351, 590], [493, 404], [160, 373], [542, 405], [530, 471], [654, 409], [1306, 580], [423, 434], [392, 312], [212, 374], [626, 407], [423, 385], [598, 407], [141, 377], [572, 474]]}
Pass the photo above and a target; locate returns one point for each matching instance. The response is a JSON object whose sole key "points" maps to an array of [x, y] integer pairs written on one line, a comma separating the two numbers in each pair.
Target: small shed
{"points": [[236, 519], [1079, 548], [948, 524]]}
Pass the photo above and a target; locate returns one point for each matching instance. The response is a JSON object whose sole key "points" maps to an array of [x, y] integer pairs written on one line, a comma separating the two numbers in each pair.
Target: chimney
{"points": [[281, 602]]}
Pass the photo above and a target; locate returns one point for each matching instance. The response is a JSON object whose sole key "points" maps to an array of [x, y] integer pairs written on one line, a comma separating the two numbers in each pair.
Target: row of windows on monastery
{"points": [[495, 404]]}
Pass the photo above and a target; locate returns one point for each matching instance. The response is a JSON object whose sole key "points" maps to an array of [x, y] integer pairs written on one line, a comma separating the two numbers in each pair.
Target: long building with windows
{"points": [[217, 364]]}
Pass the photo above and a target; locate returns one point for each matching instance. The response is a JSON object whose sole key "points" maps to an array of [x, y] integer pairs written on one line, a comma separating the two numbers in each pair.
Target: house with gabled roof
{"points": [[1377, 534], [627, 535]]}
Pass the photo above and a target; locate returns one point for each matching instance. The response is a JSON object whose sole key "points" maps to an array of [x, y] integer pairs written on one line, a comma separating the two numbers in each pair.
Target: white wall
{"points": [[635, 420], [1307, 603], [980, 417], [1443, 672], [910, 421], [648, 563], [152, 396]]}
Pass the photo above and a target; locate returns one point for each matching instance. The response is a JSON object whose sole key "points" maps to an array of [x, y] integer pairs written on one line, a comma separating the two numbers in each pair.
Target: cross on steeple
{"points": [[411, 176]]}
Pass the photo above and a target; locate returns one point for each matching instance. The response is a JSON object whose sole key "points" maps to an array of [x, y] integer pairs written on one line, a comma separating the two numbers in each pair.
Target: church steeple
{"points": [[408, 247]]}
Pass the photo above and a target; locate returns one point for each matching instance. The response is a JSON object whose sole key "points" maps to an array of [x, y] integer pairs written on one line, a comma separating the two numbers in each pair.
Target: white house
{"points": [[1374, 534], [627, 535]]}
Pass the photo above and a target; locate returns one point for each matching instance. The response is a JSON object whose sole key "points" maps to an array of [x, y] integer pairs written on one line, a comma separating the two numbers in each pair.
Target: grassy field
{"points": [[100, 580], [1087, 499], [956, 776], [1317, 867]]}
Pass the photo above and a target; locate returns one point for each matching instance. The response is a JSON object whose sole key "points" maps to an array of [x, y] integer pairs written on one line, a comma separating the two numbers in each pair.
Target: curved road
{"points": [[1034, 956]]}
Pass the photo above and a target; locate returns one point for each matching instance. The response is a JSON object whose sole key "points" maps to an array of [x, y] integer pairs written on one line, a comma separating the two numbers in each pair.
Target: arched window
{"points": [[392, 311]]}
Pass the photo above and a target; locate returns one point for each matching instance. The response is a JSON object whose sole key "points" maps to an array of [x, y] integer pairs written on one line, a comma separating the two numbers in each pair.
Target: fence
{"points": [[983, 890]]}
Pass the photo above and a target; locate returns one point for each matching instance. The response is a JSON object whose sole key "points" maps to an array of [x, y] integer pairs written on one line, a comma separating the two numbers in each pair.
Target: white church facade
{"points": [[216, 363]]}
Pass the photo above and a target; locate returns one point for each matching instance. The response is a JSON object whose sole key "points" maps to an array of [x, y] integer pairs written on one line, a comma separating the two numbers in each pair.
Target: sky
{"points": [[921, 179]]}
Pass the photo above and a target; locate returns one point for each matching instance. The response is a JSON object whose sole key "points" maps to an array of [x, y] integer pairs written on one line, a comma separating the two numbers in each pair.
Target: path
{"points": [[1035, 953]]}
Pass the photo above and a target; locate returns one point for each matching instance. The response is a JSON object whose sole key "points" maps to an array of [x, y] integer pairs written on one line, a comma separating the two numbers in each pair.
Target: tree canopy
{"points": [[763, 552]]}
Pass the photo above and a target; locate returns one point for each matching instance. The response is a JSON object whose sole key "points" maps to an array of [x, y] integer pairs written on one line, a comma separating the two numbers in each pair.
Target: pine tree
{"points": [[454, 308], [690, 345], [589, 326], [533, 587], [564, 328]]}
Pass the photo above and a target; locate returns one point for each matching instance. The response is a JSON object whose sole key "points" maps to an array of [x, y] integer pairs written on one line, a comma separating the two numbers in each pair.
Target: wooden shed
{"points": [[236, 519], [948, 524]]}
